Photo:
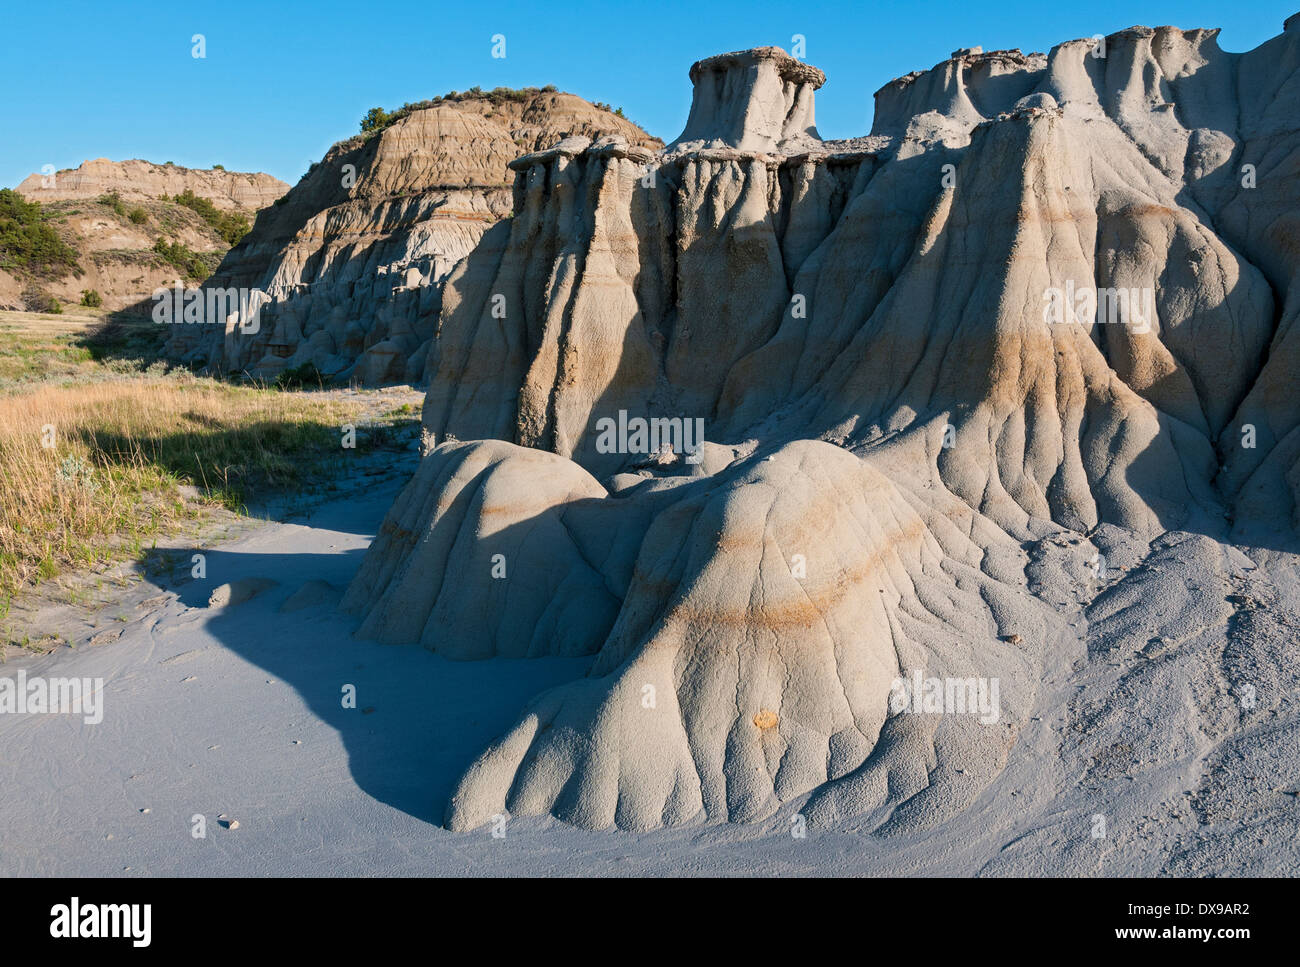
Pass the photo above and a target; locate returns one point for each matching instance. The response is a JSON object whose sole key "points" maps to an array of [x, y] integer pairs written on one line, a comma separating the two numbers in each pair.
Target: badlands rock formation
{"points": [[351, 262], [985, 393], [115, 252], [134, 180]]}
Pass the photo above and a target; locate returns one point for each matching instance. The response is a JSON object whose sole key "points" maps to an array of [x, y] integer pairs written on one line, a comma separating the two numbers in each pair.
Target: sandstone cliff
{"points": [[134, 180], [904, 431], [112, 214]]}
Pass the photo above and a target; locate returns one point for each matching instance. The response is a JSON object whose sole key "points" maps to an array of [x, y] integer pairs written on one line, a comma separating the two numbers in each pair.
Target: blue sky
{"points": [[282, 82]]}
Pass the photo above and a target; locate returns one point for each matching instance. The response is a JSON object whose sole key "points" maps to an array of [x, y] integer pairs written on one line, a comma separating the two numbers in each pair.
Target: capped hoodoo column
{"points": [[752, 100]]}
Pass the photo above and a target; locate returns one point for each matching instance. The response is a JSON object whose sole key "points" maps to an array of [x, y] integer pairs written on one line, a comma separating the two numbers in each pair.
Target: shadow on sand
{"points": [[419, 720]]}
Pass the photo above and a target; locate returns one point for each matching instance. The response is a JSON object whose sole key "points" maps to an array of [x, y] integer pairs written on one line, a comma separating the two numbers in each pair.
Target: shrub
{"points": [[138, 216], [376, 119], [114, 201], [218, 167], [230, 226], [37, 299], [183, 258], [29, 245], [91, 298]]}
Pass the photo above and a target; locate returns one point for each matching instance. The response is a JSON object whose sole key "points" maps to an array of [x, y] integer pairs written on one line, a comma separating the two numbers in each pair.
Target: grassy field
{"points": [[98, 443], [78, 345], [36, 347]]}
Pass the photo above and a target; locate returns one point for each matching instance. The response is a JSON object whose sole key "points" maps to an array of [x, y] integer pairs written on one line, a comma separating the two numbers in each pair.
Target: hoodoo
{"points": [[752, 100], [906, 458]]}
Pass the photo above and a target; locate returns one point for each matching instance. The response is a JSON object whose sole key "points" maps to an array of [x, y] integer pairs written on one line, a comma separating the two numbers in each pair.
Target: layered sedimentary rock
{"points": [[349, 264], [133, 180], [116, 257], [1041, 306], [113, 213]]}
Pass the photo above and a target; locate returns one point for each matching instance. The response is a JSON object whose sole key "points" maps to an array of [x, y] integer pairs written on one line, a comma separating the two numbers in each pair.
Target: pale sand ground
{"points": [[238, 713]]}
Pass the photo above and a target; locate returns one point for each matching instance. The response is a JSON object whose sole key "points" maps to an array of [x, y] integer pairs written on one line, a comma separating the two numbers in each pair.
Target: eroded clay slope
{"points": [[350, 262], [112, 214], [905, 399]]}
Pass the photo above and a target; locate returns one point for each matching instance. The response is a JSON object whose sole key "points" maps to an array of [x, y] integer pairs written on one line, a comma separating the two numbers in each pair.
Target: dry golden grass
{"points": [[82, 345], [89, 472]]}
